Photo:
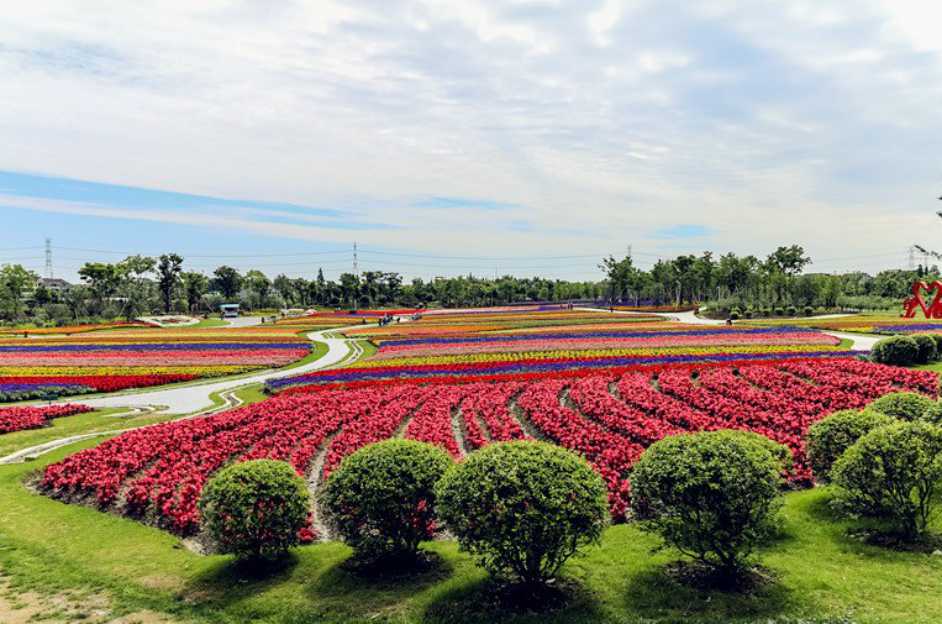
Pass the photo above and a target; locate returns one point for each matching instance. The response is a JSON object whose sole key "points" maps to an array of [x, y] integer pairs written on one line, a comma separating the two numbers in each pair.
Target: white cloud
{"points": [[605, 119]]}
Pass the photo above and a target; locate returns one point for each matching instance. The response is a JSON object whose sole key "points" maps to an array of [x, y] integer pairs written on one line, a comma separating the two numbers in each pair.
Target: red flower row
{"points": [[608, 417], [20, 418]]}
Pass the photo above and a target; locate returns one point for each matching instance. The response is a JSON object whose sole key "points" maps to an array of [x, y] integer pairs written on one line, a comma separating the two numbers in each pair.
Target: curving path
{"points": [[859, 342], [197, 397]]}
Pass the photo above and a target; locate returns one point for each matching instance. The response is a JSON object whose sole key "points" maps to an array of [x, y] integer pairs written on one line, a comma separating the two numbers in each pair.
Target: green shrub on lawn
{"points": [[895, 350], [927, 349], [831, 436], [523, 508], [713, 496], [902, 405], [894, 472], [255, 509], [381, 499], [937, 338], [933, 415]]}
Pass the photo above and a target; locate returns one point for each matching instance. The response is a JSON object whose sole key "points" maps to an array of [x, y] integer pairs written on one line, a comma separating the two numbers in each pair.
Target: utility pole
{"points": [[49, 273]]}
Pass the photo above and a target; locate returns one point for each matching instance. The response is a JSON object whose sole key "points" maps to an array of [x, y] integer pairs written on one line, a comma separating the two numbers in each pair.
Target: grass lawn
{"points": [[90, 422], [820, 574]]}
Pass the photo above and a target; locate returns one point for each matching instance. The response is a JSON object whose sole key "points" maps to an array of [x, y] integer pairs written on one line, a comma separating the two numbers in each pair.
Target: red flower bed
{"points": [[607, 416], [20, 418]]}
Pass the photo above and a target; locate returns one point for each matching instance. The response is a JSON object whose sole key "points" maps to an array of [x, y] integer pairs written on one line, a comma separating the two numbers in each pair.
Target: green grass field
{"points": [[819, 574]]}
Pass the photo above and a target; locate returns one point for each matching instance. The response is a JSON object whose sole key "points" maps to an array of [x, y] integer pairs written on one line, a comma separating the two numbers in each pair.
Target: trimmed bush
{"points": [[734, 316], [381, 499], [808, 311], [831, 436], [895, 350], [778, 312], [927, 350], [902, 405], [255, 509], [713, 496], [791, 311], [937, 338], [933, 414], [523, 508], [894, 472]]}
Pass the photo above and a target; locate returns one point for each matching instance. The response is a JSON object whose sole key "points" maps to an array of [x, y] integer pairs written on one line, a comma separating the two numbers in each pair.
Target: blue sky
{"points": [[470, 136]]}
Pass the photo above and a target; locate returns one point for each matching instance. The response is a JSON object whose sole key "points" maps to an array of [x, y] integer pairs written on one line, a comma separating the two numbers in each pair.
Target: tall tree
{"points": [[227, 281], [103, 281], [195, 285], [16, 281], [168, 272]]}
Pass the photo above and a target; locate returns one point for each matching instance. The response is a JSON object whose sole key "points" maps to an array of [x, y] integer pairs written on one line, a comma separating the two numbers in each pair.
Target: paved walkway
{"points": [[860, 342], [196, 397]]}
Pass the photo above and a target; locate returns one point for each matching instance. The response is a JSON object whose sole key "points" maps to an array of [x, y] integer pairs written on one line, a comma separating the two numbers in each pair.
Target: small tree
{"points": [[894, 472], [381, 499], [255, 509], [712, 496], [523, 508], [902, 405]]}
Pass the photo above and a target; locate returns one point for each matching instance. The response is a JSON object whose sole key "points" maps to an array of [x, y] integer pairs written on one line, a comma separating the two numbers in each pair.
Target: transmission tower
{"points": [[49, 273], [356, 266]]}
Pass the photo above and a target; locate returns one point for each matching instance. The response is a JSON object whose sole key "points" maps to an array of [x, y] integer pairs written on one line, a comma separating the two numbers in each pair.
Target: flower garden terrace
{"points": [[410, 354], [887, 324], [119, 359], [608, 416]]}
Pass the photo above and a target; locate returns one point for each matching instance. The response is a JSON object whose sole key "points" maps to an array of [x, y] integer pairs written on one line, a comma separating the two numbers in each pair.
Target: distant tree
{"points": [[16, 281], [103, 281], [195, 285], [349, 289], [134, 285], [227, 281], [286, 288], [258, 283], [168, 271]]}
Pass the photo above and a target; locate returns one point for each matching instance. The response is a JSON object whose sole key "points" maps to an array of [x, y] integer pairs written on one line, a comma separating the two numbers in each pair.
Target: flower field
{"points": [[609, 416], [119, 359], [603, 345], [21, 418], [860, 323]]}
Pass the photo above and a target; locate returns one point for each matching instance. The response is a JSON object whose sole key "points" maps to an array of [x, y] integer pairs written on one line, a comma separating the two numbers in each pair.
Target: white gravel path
{"points": [[859, 342], [196, 397]]}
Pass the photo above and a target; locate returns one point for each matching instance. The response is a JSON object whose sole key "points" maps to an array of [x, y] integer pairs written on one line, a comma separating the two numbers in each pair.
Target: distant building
{"points": [[55, 284]]}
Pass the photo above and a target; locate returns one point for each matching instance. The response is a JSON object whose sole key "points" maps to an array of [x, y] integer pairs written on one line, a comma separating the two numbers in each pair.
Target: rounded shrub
{"points": [[933, 414], [255, 509], [937, 338], [711, 495], [778, 312], [902, 405], [894, 472], [895, 350], [831, 436], [523, 508], [748, 314], [734, 315], [808, 311], [927, 351], [791, 311], [381, 499]]}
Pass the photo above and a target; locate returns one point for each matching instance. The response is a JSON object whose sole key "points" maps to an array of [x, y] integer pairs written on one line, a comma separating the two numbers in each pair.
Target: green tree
{"points": [[227, 282], [195, 285], [103, 281], [16, 281], [168, 271]]}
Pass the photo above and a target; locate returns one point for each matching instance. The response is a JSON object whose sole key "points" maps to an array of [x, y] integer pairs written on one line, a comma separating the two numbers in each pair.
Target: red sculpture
{"points": [[915, 302]]}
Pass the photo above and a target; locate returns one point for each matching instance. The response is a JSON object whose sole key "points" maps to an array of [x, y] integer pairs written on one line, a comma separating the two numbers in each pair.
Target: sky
{"points": [[524, 137]]}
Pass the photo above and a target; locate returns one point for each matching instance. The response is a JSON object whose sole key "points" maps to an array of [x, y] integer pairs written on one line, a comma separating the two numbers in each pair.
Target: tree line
{"points": [[142, 285]]}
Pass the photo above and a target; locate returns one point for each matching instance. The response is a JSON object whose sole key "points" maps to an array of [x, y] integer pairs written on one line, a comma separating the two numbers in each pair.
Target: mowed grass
{"points": [[819, 574]]}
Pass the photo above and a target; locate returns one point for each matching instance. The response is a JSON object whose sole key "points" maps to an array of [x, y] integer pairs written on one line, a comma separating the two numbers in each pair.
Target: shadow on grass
{"points": [[657, 593], [488, 602], [234, 579]]}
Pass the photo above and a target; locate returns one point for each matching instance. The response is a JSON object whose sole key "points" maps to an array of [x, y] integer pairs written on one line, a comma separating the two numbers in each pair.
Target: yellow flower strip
{"points": [[590, 353]]}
